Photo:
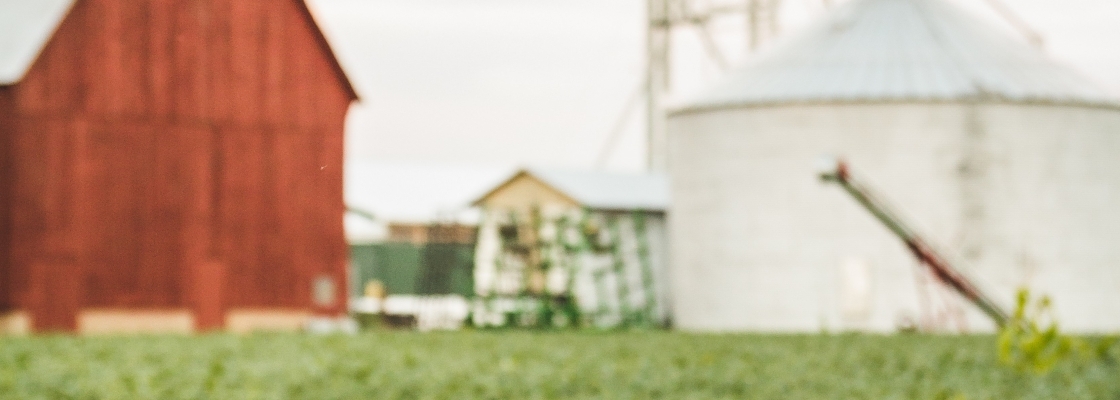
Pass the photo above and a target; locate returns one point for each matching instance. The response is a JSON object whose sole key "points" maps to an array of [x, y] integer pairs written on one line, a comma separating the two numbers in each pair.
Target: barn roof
{"points": [[602, 190], [323, 41], [25, 27], [900, 50]]}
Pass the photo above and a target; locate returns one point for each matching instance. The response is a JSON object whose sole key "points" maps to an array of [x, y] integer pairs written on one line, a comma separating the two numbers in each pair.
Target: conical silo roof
{"points": [[901, 50]]}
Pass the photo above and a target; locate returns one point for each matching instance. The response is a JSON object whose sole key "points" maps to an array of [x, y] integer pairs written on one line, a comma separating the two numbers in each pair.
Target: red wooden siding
{"points": [[175, 153], [7, 126]]}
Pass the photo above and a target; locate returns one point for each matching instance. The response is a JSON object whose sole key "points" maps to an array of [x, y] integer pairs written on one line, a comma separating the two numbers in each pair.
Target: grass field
{"points": [[526, 365]]}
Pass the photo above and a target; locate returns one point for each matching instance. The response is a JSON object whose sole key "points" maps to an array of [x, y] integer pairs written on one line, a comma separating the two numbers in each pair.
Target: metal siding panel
{"points": [[246, 38], [123, 156], [275, 68], [49, 250], [107, 27], [220, 60], [56, 293], [161, 49], [8, 131], [25, 218], [134, 71], [301, 56], [240, 213], [330, 207], [298, 177], [190, 64]]}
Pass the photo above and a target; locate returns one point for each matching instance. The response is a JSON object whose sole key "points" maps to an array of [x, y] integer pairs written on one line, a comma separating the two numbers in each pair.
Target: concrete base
{"points": [[123, 321], [274, 320], [15, 323], [165, 321]]}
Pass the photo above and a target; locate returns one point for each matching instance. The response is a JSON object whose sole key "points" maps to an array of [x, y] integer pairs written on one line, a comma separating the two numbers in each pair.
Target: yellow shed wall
{"points": [[523, 192]]}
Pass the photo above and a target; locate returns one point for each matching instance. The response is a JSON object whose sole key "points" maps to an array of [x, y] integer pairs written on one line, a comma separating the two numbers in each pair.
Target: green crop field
{"points": [[527, 365]]}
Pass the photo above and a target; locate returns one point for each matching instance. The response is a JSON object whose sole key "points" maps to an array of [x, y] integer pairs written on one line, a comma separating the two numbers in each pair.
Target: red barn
{"points": [[169, 165]]}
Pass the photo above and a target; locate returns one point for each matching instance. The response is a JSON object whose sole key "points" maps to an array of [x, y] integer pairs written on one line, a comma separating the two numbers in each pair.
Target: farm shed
{"points": [[999, 154], [589, 245], [415, 215], [169, 165], [416, 239]]}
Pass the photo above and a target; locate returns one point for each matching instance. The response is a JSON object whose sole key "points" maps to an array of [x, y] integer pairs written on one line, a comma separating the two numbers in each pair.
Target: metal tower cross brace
{"points": [[666, 15]]}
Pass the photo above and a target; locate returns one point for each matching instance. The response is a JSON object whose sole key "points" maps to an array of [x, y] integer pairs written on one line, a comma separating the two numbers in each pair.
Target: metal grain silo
{"points": [[1002, 156]]}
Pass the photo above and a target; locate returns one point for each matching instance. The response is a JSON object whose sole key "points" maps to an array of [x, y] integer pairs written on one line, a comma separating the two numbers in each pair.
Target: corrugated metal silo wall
{"points": [[1017, 194]]}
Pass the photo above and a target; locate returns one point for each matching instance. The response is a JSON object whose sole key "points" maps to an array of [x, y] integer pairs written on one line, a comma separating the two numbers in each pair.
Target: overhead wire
{"points": [[1032, 36], [619, 125]]}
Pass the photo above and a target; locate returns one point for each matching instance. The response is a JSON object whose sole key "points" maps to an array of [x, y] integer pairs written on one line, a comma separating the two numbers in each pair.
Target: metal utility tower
{"points": [[761, 23]]}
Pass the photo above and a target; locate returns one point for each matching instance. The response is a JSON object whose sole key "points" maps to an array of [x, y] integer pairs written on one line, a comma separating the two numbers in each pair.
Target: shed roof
{"points": [[25, 27], [417, 193], [901, 50], [602, 190]]}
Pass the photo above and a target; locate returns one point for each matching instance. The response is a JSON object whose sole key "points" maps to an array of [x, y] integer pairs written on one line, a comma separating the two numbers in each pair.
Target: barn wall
{"points": [[1016, 194], [175, 154], [200, 62]]}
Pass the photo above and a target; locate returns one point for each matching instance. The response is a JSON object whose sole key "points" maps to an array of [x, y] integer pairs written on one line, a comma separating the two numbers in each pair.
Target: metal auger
{"points": [[836, 170]]}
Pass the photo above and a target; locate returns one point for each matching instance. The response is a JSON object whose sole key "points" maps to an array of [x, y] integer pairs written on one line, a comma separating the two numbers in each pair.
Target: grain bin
{"points": [[1004, 157]]}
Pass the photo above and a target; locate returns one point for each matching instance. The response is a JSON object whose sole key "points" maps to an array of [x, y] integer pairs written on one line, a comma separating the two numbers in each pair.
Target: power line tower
{"points": [[759, 21], [759, 18]]}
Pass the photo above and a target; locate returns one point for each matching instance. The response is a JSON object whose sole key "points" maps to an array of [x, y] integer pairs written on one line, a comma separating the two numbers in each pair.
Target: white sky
{"points": [[541, 82]]}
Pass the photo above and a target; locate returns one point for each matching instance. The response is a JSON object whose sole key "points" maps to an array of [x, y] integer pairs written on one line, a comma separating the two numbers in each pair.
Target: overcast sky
{"points": [[541, 82]]}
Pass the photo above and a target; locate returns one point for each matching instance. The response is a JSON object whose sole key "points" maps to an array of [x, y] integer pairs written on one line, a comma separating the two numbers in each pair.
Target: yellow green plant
{"points": [[1031, 340]]}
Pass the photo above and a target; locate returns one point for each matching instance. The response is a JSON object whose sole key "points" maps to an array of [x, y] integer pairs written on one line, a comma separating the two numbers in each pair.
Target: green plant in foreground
{"points": [[1024, 344], [521, 364]]}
